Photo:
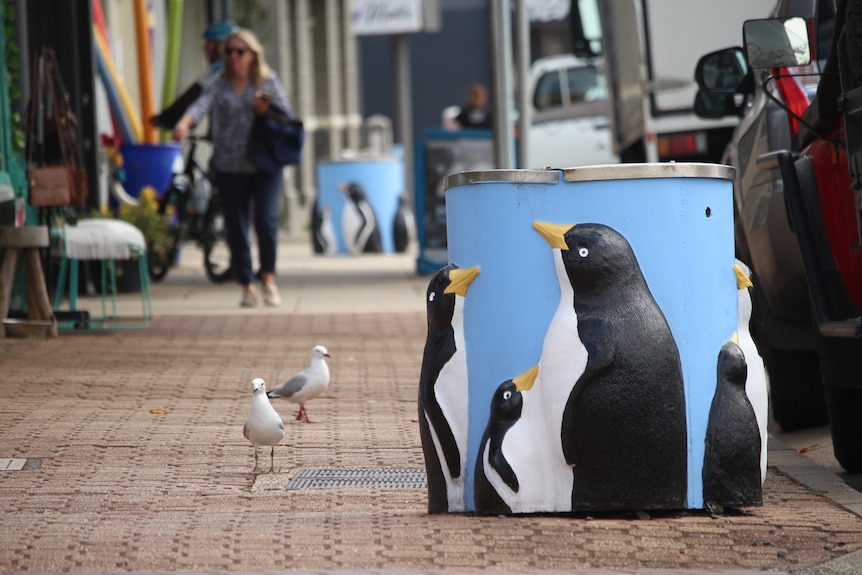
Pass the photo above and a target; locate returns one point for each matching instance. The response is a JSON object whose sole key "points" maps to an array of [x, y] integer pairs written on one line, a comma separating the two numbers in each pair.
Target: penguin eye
{"points": [[583, 251], [506, 395], [431, 296]]}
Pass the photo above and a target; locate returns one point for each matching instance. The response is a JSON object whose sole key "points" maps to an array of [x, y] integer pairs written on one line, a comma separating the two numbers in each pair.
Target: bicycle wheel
{"points": [[215, 246], [158, 263]]}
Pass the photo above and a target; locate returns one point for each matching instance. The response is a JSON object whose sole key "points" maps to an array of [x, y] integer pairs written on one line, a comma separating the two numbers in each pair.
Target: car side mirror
{"points": [[724, 72], [716, 106], [776, 42]]}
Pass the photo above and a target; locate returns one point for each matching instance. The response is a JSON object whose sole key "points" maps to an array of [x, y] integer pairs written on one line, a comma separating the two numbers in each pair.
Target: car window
{"points": [[548, 91], [585, 84]]}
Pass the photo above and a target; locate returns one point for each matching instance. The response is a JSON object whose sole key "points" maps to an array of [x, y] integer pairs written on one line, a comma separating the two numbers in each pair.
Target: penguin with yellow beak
{"points": [[495, 482], [443, 389], [624, 426]]}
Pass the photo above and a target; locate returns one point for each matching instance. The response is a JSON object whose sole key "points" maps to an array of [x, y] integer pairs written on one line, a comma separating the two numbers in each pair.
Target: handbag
{"points": [[53, 184], [275, 140]]}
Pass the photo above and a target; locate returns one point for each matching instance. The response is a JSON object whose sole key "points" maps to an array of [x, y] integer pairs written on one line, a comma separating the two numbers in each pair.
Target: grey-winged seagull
{"points": [[263, 425], [307, 384]]}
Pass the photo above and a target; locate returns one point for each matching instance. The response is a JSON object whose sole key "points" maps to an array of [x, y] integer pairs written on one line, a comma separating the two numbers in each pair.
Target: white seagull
{"points": [[263, 425], [307, 384]]}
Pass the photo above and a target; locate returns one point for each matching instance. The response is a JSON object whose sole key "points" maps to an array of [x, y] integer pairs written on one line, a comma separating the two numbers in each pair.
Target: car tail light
{"points": [[682, 144]]}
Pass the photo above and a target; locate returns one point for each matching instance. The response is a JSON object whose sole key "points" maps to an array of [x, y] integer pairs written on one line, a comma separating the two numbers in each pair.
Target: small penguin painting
{"points": [[323, 236], [403, 225], [755, 383], [495, 480], [358, 221], [624, 426], [443, 389], [731, 462]]}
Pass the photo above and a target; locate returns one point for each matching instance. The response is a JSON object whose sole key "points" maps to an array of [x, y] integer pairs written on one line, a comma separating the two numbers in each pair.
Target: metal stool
{"points": [[107, 240], [29, 240]]}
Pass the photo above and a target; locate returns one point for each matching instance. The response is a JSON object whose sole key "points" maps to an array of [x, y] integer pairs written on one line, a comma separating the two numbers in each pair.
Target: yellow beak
{"points": [[460, 280], [553, 233], [742, 280], [525, 381]]}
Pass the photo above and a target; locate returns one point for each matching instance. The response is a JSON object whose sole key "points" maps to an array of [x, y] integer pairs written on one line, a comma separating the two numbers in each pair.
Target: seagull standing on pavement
{"points": [[263, 425], [307, 384]]}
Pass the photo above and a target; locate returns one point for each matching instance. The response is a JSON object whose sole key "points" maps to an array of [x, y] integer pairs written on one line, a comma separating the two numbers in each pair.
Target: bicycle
{"points": [[197, 215]]}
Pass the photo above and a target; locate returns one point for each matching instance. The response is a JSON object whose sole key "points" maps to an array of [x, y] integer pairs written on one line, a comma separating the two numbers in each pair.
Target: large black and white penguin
{"points": [[755, 383], [443, 389], [358, 222], [496, 485], [624, 425], [403, 225], [731, 461]]}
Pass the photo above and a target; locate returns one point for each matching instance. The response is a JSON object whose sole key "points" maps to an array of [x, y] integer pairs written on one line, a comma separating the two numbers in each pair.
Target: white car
{"points": [[570, 125]]}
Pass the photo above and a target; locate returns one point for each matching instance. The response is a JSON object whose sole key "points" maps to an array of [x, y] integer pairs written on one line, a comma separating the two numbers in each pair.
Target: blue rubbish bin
{"points": [[678, 221], [357, 203]]}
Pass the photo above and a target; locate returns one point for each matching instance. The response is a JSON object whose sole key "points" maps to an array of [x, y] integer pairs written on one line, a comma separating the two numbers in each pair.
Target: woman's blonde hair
{"points": [[260, 70]]}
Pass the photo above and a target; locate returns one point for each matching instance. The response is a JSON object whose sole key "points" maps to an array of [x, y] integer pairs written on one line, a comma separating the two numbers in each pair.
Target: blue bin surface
{"points": [[678, 219], [382, 180], [149, 165]]}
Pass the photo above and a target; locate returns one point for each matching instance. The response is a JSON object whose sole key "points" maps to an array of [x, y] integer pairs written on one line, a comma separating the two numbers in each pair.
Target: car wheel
{"points": [[795, 389], [841, 361], [845, 408], [795, 381]]}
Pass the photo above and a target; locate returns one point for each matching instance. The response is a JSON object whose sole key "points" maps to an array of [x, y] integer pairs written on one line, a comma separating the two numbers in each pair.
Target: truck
{"points": [[649, 50]]}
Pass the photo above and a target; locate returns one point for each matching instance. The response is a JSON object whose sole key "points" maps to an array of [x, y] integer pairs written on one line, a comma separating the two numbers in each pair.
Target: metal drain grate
{"points": [[359, 479]]}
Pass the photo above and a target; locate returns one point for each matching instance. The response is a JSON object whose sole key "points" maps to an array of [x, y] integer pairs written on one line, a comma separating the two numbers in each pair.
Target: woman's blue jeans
{"points": [[243, 196]]}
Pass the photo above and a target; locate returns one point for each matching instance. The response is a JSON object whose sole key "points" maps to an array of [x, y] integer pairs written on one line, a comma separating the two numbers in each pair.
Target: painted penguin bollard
{"points": [[588, 345], [361, 208]]}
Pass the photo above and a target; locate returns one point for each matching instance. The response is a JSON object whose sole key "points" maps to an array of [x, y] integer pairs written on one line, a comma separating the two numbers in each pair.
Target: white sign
{"points": [[386, 16]]}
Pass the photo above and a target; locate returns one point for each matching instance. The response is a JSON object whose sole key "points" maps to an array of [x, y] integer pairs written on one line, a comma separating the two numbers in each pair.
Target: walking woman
{"points": [[245, 87]]}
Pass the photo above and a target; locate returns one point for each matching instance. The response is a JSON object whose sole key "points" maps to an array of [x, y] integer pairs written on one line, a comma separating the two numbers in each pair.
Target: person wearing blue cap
{"points": [[214, 39]]}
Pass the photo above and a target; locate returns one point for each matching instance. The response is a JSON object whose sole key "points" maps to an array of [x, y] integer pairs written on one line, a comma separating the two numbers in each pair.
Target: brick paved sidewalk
{"points": [[142, 466]]}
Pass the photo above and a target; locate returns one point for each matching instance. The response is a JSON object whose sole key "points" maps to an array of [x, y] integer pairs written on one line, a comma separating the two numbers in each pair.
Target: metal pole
{"points": [[503, 101], [351, 80], [525, 117], [403, 105], [305, 96], [334, 88]]}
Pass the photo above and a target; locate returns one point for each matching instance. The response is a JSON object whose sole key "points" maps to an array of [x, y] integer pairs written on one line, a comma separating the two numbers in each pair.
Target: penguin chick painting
{"points": [[443, 389], [496, 484], [403, 225], [624, 425], [358, 222], [731, 462], [323, 232], [755, 383]]}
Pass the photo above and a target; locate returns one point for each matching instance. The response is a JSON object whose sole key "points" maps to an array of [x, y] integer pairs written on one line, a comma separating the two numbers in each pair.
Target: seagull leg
{"points": [[255, 460], [302, 415], [272, 459]]}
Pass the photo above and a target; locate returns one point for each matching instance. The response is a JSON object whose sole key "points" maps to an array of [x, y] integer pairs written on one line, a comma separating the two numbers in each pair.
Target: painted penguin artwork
{"points": [[610, 290], [497, 488], [731, 464], [443, 389], [632, 371], [358, 221]]}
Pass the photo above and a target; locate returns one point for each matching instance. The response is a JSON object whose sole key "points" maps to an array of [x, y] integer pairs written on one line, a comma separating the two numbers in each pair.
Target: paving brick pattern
{"points": [[143, 467]]}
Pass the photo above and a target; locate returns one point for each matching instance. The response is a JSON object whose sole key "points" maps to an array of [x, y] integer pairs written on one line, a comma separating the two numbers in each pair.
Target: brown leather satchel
{"points": [[52, 125]]}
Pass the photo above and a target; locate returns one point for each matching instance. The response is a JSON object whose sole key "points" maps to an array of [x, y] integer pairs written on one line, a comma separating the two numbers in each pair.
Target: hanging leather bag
{"points": [[51, 120]]}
